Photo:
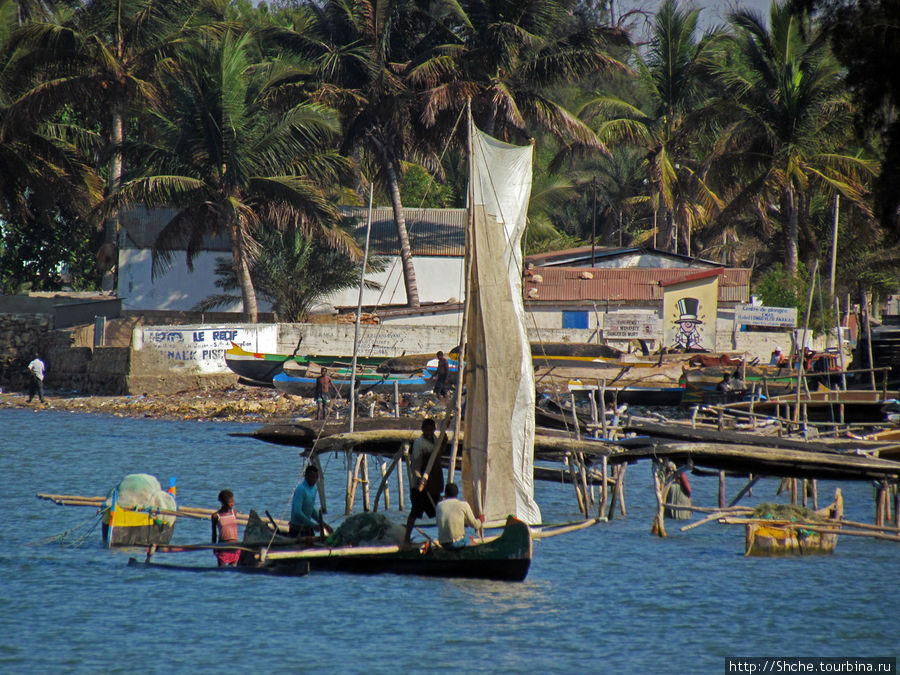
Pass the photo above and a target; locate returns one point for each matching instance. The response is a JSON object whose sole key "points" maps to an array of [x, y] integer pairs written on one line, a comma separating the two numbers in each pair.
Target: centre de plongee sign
{"points": [[759, 315]]}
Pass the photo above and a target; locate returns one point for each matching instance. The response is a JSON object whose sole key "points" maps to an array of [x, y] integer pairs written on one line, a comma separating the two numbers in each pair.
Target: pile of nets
{"points": [[142, 492], [788, 512], [367, 529]]}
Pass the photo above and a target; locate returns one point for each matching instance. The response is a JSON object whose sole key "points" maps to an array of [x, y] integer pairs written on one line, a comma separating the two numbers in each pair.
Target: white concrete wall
{"points": [[438, 279], [203, 347], [394, 339], [175, 290]]}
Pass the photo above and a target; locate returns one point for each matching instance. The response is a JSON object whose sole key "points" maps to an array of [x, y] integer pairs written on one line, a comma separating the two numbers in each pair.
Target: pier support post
{"points": [[603, 486], [364, 479], [721, 489]]}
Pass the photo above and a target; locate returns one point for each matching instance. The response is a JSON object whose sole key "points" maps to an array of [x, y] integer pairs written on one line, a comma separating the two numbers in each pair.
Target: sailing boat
{"points": [[498, 446]]}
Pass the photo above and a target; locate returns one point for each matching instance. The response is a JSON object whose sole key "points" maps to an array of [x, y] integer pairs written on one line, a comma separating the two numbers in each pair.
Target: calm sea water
{"points": [[611, 599]]}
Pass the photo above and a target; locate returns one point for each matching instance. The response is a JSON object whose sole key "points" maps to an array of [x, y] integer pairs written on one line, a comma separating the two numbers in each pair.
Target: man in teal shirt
{"points": [[305, 517]]}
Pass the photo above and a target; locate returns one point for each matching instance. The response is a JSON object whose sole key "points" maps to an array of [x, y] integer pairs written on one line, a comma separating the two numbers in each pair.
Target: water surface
{"points": [[611, 599]]}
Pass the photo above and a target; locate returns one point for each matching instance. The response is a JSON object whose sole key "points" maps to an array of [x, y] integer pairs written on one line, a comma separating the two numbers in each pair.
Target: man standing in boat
{"points": [[441, 374], [305, 517], [424, 492], [324, 387], [453, 514]]}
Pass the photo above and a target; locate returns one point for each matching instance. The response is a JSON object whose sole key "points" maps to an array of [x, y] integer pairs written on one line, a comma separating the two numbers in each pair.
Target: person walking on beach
{"points": [[36, 370], [324, 386], [441, 374], [225, 529], [423, 493]]}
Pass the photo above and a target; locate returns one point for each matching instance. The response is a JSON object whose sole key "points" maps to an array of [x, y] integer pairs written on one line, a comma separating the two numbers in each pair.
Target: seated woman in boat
{"points": [[225, 529], [453, 514]]}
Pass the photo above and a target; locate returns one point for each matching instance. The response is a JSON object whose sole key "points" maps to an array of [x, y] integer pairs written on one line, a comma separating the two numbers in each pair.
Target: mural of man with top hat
{"points": [[687, 336]]}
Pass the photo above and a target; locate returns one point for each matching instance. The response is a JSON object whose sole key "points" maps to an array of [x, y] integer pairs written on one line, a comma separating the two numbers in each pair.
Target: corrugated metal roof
{"points": [[437, 232], [572, 284], [581, 256]]}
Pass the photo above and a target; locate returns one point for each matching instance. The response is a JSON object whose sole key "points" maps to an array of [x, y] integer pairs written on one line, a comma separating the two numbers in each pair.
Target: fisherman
{"points": [[305, 518], [777, 358], [679, 492], [441, 374], [453, 514], [423, 493], [725, 385], [324, 387], [225, 529], [36, 382]]}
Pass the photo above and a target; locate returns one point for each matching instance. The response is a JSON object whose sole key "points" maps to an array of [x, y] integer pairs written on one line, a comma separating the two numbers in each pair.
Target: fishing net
{"points": [[788, 512], [141, 491], [367, 529]]}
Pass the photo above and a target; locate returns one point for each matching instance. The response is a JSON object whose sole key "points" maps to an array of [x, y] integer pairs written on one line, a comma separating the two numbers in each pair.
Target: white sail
{"points": [[498, 451]]}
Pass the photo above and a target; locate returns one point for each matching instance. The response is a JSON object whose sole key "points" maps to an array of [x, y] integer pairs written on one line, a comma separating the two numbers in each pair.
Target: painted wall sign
{"points": [[758, 315], [630, 326], [204, 347], [689, 314]]}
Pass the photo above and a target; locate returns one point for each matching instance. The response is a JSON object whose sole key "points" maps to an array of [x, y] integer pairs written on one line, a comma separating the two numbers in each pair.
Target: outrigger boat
{"points": [[302, 382], [498, 448]]}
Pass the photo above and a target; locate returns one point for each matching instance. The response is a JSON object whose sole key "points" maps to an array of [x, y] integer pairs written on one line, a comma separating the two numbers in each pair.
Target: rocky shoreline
{"points": [[239, 403]]}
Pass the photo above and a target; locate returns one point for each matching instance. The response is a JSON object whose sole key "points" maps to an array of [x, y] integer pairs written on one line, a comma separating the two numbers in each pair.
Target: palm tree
{"points": [[671, 76], [506, 57], [790, 115], [106, 55], [43, 168], [365, 52], [231, 162]]}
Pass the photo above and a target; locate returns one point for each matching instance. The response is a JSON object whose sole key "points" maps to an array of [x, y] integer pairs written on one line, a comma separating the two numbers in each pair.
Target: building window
{"points": [[574, 319]]}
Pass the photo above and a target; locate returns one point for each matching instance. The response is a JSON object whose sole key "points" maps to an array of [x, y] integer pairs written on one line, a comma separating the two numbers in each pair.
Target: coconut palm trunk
{"points": [[409, 271], [117, 140], [791, 253], [242, 272]]}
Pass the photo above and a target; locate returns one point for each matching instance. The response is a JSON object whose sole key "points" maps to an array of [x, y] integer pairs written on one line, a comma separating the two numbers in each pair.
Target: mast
{"points": [[362, 283], [461, 357]]}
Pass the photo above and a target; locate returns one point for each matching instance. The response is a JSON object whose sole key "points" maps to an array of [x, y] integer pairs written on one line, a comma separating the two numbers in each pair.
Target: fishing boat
{"points": [[498, 444], [138, 512], [305, 385], [792, 530], [262, 367]]}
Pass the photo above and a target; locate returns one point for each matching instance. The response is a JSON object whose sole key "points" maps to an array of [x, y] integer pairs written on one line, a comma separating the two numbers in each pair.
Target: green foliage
{"points": [[293, 272], [778, 288], [420, 190], [50, 253]]}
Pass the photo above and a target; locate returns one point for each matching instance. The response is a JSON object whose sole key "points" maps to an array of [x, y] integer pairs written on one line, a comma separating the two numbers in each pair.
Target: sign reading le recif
{"points": [[757, 315]]}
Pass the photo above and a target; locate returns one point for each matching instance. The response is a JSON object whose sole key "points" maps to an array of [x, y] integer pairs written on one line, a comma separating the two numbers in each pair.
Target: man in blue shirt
{"points": [[305, 517]]}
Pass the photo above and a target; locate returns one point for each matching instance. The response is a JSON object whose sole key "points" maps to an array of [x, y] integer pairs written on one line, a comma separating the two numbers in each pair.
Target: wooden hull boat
{"points": [[122, 527], [131, 514], [783, 535], [504, 558], [306, 386], [297, 570], [262, 367], [786, 539], [836, 406]]}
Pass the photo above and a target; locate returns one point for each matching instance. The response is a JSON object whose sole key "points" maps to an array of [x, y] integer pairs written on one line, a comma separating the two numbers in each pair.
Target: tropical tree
{"points": [[672, 83], [46, 183], [230, 161], [365, 52], [103, 57], [507, 57], [790, 118]]}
